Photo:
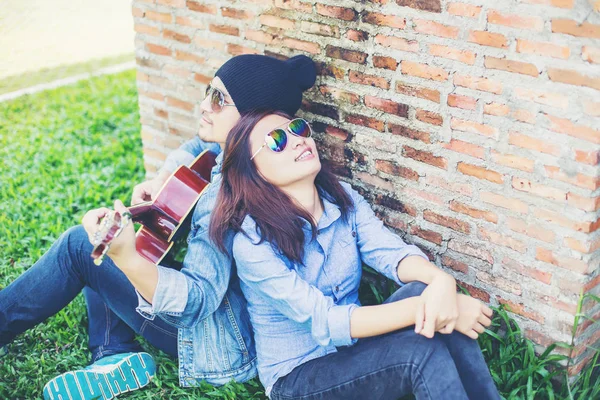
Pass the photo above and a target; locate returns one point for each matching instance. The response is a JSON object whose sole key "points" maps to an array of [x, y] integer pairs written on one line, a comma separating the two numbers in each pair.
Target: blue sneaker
{"points": [[105, 379]]}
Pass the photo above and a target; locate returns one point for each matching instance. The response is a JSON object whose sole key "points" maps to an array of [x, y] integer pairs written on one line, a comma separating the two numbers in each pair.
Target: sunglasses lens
{"points": [[276, 140], [216, 100], [300, 127]]}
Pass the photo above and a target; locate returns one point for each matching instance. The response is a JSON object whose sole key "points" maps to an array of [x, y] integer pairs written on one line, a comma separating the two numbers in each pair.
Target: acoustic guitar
{"points": [[162, 219]]}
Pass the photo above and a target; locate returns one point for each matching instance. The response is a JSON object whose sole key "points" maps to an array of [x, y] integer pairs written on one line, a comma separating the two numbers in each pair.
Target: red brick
{"points": [[465, 148], [199, 7], [455, 264], [424, 71], [542, 49], [525, 185], [426, 5], [464, 102], [357, 36], [520, 309], [397, 43], [488, 39], [464, 189], [571, 264], [341, 134], [385, 62], [524, 116], [527, 142], [553, 3], [184, 105], [259, 36], [339, 94], [225, 29], [499, 282], [425, 157], [146, 29], [388, 106], [137, 12], [538, 96], [581, 180], [479, 172], [156, 49], [504, 202], [347, 14], [371, 80], [527, 270], [583, 203], [236, 49], [209, 44], [384, 19], [448, 222], [177, 71], [573, 78], [496, 109], [587, 157], [478, 83], [570, 27], [194, 23], [464, 56], [512, 161], [463, 10], [277, 22], [475, 291], [472, 250], [591, 108], [473, 127], [404, 131], [565, 126], [319, 29], [345, 54], [375, 181], [236, 13], [416, 91], [302, 45], [334, 71], [294, 5], [202, 78], [393, 168], [365, 121], [429, 117], [560, 219], [159, 17], [515, 20], [179, 37], [591, 54], [511, 66], [435, 28], [430, 236], [473, 212]]}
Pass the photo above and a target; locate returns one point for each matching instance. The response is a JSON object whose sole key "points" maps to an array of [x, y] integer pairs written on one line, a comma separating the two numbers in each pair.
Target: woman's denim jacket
{"points": [[203, 300]]}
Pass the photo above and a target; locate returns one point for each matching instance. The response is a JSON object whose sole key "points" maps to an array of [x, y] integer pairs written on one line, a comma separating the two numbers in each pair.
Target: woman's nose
{"points": [[296, 140]]}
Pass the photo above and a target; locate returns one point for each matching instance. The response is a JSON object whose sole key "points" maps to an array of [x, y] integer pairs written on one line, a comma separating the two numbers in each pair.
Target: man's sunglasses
{"points": [[276, 140], [217, 98]]}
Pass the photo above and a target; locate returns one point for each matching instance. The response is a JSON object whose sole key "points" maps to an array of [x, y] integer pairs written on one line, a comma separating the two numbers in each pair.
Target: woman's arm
{"points": [[376, 320]]}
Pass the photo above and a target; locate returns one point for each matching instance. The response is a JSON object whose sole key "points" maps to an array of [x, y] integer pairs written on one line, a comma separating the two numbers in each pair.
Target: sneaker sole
{"points": [[131, 373]]}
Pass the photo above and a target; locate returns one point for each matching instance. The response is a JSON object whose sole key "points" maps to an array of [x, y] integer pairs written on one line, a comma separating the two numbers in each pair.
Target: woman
{"points": [[202, 317], [299, 237]]}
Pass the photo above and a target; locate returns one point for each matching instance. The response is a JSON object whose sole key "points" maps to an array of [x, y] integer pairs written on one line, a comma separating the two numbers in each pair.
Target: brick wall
{"points": [[472, 127]]}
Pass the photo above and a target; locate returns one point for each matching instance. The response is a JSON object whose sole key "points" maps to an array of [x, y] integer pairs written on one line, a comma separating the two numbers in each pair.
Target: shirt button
{"points": [[337, 288], [353, 234]]}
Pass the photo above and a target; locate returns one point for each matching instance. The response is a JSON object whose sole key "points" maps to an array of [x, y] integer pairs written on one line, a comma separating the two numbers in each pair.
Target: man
{"points": [[202, 317]]}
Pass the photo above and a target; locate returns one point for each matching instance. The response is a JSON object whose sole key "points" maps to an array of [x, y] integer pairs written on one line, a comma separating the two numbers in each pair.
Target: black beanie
{"points": [[262, 82]]}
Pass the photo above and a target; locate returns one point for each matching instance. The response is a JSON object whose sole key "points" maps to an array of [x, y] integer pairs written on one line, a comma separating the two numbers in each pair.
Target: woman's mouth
{"points": [[306, 155]]}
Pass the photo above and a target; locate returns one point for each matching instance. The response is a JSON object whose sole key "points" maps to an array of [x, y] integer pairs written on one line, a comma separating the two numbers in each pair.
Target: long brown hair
{"points": [[245, 192]]}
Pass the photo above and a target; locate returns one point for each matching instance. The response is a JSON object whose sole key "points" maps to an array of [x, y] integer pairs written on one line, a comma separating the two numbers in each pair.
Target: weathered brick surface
{"points": [[472, 127]]}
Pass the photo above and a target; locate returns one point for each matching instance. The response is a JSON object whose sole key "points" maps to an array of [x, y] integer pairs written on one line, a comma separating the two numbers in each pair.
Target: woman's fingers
{"points": [[479, 328], [483, 320]]}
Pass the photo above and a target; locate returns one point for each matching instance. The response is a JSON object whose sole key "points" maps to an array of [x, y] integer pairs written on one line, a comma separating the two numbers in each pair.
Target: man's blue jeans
{"points": [[62, 273], [391, 366]]}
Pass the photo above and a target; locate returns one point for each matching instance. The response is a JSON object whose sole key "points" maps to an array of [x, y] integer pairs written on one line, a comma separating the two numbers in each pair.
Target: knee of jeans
{"points": [[75, 237], [415, 288], [433, 351]]}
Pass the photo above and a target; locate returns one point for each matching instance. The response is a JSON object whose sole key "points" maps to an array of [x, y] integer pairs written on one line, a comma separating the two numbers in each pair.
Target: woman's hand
{"points": [[437, 310], [473, 316], [123, 246], [148, 190]]}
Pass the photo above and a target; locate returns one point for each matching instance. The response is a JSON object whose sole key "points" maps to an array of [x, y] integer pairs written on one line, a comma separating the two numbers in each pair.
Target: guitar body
{"points": [[163, 217]]}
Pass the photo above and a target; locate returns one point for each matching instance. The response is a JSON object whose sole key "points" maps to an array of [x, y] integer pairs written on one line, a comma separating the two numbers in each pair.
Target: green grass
{"points": [[68, 150], [45, 75]]}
